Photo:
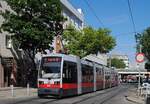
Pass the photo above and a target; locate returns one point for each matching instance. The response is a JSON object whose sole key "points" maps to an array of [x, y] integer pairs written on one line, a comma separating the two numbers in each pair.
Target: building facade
{"points": [[6, 57], [74, 16], [124, 58]]}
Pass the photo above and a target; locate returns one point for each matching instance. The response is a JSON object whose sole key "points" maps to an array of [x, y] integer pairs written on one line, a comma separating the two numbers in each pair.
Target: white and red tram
{"points": [[66, 75]]}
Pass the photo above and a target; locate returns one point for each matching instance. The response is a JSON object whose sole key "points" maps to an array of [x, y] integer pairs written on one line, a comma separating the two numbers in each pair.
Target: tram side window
{"points": [[99, 73], [116, 77], [69, 72], [106, 76], [87, 73]]}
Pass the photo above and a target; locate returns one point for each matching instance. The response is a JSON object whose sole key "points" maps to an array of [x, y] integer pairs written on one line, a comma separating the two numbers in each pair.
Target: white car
{"points": [[146, 84]]}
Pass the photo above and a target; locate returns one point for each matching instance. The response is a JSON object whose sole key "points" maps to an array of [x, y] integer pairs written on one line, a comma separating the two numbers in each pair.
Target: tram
{"points": [[67, 75]]}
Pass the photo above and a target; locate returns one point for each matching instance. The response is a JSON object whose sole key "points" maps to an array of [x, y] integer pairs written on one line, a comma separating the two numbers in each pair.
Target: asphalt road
{"points": [[114, 95]]}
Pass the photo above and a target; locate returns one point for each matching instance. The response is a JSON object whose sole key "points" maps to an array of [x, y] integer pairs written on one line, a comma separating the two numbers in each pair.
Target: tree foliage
{"points": [[145, 43], [88, 41], [117, 63], [33, 22]]}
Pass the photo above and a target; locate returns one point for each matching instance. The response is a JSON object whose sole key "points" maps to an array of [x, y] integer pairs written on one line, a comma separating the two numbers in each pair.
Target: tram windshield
{"points": [[50, 67]]}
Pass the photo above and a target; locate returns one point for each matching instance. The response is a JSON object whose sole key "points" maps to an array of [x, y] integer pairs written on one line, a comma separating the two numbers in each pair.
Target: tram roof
{"points": [[86, 62], [71, 58]]}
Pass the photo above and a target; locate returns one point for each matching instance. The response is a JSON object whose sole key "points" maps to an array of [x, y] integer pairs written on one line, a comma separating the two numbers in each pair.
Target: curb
{"points": [[18, 97], [7, 89], [127, 98]]}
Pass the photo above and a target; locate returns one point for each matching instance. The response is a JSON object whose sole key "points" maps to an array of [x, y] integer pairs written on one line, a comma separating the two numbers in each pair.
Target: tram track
{"points": [[32, 100], [84, 99], [90, 97], [98, 97], [108, 97], [113, 95]]}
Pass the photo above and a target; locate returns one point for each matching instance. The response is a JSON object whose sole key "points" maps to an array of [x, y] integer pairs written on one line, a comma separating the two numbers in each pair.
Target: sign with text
{"points": [[140, 57]]}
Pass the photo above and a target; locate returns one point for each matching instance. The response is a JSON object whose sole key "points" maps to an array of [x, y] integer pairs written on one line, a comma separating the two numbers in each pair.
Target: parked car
{"points": [[145, 84]]}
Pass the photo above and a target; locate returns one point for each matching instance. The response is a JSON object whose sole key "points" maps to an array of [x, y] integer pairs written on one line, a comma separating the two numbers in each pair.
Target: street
{"points": [[116, 95], [74, 51]]}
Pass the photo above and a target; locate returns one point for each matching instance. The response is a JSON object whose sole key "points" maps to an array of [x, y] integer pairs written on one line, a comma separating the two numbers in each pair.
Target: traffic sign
{"points": [[140, 57]]}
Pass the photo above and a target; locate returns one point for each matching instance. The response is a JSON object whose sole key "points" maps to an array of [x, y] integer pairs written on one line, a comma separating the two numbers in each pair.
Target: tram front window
{"points": [[50, 69]]}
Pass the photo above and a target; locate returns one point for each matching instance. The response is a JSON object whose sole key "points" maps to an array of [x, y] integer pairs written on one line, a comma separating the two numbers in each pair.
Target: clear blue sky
{"points": [[114, 14]]}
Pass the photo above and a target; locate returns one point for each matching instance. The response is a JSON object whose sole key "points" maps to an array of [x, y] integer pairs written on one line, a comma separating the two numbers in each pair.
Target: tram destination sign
{"points": [[140, 57]]}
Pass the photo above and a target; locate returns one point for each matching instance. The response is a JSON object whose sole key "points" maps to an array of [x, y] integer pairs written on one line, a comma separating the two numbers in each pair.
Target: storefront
{"points": [[7, 71]]}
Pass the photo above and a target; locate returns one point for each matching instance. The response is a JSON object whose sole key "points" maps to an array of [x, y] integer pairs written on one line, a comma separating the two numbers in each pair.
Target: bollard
{"points": [[12, 90], [139, 91], [148, 99], [28, 89]]}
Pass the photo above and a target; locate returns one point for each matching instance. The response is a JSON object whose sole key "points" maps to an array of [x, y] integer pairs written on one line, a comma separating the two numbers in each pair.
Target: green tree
{"points": [[145, 43], [117, 63], [33, 23], [88, 41]]}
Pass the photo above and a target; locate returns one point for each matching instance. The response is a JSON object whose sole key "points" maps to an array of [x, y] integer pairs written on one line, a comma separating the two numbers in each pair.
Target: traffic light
{"points": [[147, 66]]}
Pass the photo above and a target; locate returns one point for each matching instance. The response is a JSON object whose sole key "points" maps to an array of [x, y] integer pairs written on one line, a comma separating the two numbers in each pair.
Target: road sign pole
{"points": [[139, 59], [139, 67], [139, 84]]}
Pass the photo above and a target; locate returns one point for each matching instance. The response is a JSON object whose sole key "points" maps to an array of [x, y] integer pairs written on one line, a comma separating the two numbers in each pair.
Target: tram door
{"points": [[99, 78], [69, 78], [87, 78]]}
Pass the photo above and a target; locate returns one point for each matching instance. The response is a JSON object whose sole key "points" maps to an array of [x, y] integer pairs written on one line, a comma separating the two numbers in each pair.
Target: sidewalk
{"points": [[19, 92], [8, 88], [133, 97]]}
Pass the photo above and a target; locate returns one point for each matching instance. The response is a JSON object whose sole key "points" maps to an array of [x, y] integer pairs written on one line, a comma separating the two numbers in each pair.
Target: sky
{"points": [[115, 15]]}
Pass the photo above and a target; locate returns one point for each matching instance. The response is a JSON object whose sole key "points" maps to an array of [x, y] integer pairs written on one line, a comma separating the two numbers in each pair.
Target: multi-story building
{"points": [[74, 16], [124, 58]]}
